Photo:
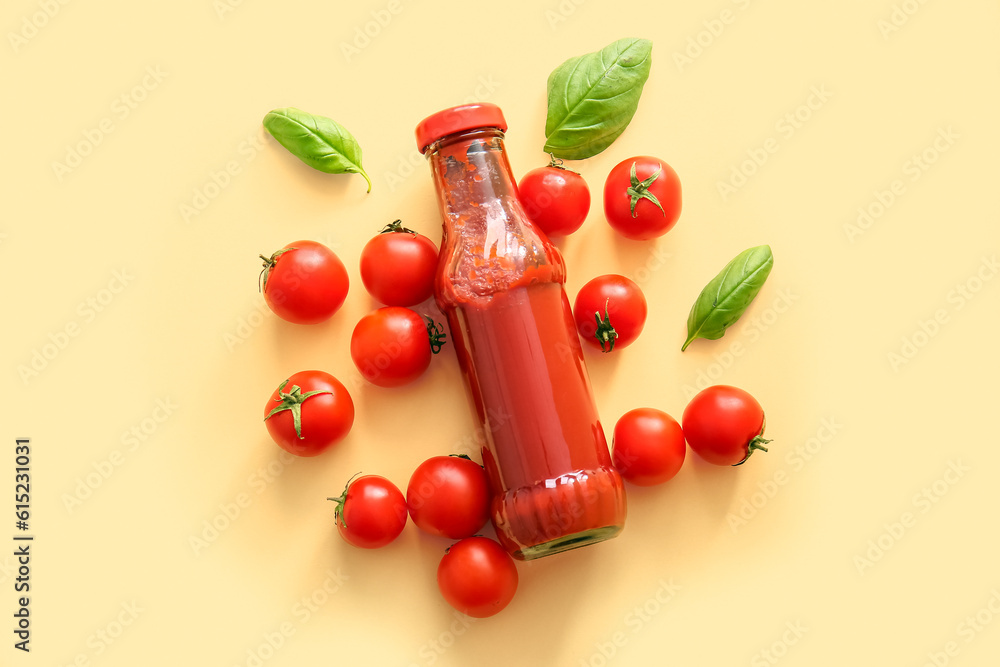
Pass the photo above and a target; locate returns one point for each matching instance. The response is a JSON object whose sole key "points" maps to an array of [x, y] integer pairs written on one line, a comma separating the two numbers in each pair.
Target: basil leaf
{"points": [[593, 97], [727, 296], [318, 141]]}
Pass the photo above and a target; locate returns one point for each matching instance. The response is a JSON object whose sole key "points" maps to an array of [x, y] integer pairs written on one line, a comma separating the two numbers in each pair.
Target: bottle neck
{"points": [[489, 243], [471, 170]]}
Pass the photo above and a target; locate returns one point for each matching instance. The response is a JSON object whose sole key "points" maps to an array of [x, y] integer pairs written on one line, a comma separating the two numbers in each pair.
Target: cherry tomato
{"points": [[449, 496], [398, 266], [642, 197], [477, 577], [648, 447], [371, 512], [304, 282], [392, 346], [556, 199], [610, 312], [308, 412], [724, 425]]}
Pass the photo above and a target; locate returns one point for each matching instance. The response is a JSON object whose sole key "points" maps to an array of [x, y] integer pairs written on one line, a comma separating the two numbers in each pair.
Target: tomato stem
{"points": [[269, 263], [293, 401], [605, 334], [436, 334], [396, 226], [341, 500], [640, 190], [557, 163], [753, 445]]}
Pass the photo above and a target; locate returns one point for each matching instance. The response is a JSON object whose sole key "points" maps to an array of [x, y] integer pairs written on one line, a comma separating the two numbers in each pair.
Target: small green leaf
{"points": [[592, 98], [318, 141], [727, 296]]}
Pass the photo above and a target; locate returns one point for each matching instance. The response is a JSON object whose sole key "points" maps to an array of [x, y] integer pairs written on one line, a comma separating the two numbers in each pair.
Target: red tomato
{"points": [[449, 496], [304, 282], [477, 577], [371, 512], [315, 412], [724, 425], [392, 346], [642, 198], [398, 266], [556, 199], [648, 447], [610, 312]]}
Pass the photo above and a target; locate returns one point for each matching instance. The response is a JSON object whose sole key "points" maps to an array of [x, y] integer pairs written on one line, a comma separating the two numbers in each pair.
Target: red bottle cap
{"points": [[458, 119]]}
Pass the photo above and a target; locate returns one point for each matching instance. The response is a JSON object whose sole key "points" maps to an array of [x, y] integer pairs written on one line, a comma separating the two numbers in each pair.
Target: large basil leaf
{"points": [[726, 297], [318, 141], [593, 97]]}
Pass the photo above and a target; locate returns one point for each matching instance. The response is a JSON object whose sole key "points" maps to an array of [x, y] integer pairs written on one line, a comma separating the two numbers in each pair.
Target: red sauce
{"points": [[500, 283], [547, 456]]}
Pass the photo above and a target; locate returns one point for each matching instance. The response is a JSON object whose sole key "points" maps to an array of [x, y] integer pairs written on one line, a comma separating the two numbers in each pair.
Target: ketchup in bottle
{"points": [[500, 284]]}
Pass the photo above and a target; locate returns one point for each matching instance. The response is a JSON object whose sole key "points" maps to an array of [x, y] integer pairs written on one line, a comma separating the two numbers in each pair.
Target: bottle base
{"points": [[567, 542]]}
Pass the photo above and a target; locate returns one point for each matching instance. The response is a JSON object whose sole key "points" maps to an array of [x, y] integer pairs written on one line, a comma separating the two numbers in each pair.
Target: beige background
{"points": [[859, 543]]}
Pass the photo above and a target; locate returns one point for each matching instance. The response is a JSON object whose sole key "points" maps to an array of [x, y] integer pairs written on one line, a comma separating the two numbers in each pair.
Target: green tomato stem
{"points": [[605, 334], [293, 401]]}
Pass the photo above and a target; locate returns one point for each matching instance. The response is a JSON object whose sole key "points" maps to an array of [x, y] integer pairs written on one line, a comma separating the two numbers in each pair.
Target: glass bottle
{"points": [[500, 285]]}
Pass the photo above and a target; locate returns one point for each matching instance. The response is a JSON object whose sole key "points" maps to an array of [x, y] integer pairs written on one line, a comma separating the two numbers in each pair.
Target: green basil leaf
{"points": [[726, 297], [318, 141], [593, 97]]}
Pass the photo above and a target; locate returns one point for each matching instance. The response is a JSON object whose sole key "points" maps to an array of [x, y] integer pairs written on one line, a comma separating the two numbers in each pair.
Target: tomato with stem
{"points": [[642, 198], [392, 346], [555, 198], [610, 311], [724, 425], [449, 496], [398, 266], [304, 282], [315, 412], [371, 512]]}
